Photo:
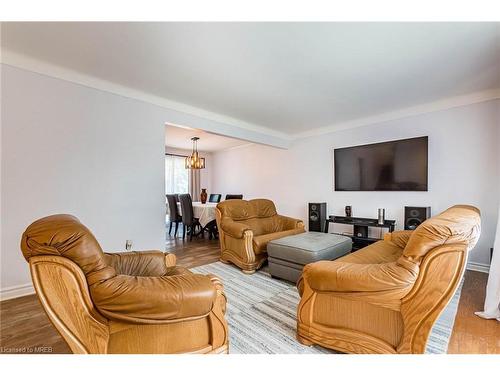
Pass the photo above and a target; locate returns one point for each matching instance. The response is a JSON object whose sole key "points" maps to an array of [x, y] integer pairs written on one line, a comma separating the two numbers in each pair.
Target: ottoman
{"points": [[288, 255]]}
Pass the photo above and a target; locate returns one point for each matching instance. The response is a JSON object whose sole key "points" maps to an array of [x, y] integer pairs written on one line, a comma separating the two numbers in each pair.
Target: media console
{"points": [[360, 229]]}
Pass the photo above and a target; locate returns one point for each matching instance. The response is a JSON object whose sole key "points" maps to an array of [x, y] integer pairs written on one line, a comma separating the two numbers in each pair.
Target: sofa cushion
{"points": [[264, 225], [138, 263], [376, 253], [386, 282], [235, 229]]}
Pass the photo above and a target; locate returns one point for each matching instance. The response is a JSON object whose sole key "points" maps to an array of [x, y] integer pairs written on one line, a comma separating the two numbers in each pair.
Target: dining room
{"points": [[190, 194]]}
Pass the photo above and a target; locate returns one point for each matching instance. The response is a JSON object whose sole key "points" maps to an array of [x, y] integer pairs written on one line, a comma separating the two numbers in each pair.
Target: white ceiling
{"points": [[180, 137], [288, 77]]}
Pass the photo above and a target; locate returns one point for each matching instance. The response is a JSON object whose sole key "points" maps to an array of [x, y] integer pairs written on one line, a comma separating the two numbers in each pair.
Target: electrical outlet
{"points": [[128, 245]]}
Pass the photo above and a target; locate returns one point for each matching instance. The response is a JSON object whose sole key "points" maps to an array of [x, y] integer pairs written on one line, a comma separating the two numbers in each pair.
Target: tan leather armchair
{"points": [[135, 302], [245, 228], [386, 297]]}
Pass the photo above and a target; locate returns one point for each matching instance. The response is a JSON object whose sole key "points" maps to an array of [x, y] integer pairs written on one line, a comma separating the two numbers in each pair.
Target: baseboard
{"points": [[16, 291], [480, 267]]}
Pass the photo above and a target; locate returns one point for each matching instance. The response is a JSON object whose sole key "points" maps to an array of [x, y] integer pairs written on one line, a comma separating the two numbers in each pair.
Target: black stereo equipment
{"points": [[360, 231], [414, 216], [317, 217]]}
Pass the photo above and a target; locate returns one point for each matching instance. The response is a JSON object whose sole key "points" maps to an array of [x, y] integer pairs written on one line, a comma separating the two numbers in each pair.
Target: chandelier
{"points": [[194, 161]]}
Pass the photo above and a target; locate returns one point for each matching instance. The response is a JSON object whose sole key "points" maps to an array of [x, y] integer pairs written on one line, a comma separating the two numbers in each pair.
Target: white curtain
{"points": [[176, 177], [179, 180], [169, 174], [492, 301]]}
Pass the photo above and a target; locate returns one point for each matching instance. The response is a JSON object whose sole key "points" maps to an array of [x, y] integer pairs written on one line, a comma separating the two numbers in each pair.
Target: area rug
{"points": [[261, 314]]}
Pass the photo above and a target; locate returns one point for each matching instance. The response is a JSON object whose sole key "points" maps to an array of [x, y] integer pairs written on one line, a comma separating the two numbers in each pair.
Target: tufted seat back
{"points": [[239, 209], [65, 236], [458, 224]]}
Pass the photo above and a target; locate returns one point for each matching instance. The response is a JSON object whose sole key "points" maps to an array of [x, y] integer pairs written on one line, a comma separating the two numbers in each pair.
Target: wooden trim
{"points": [[170, 260], [343, 340], [16, 291], [58, 279], [440, 273], [479, 267], [64, 294]]}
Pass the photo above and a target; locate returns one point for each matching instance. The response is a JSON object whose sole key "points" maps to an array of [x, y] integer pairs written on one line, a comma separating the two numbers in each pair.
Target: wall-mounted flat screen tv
{"points": [[388, 166]]}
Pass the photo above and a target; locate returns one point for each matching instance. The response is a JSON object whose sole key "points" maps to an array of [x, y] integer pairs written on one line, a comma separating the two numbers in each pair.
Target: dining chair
{"points": [[174, 215], [188, 219], [234, 196], [215, 198], [212, 229]]}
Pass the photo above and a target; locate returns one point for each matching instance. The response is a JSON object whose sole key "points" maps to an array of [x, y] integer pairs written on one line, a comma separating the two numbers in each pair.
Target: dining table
{"points": [[204, 212]]}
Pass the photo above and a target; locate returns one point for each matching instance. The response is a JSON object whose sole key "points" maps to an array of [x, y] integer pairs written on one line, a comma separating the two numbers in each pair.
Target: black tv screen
{"points": [[388, 166]]}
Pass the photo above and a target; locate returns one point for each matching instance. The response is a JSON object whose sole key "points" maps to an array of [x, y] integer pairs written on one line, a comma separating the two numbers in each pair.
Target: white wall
{"points": [[463, 168], [68, 148], [205, 174], [71, 149]]}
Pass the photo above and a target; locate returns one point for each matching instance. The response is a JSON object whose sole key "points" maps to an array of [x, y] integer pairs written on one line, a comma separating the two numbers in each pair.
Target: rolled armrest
{"points": [[289, 222], [328, 276], [399, 238], [154, 299], [138, 263], [233, 228]]}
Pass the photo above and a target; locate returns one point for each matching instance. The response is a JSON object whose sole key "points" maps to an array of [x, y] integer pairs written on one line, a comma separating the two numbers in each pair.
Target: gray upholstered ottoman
{"points": [[288, 255]]}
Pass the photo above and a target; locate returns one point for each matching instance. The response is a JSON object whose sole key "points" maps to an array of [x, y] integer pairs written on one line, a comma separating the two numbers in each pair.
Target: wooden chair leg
{"points": [[170, 228], [183, 231], [176, 227]]}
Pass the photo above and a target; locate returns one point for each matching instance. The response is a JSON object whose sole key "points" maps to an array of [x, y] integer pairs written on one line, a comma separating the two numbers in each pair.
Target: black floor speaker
{"points": [[414, 216], [317, 217]]}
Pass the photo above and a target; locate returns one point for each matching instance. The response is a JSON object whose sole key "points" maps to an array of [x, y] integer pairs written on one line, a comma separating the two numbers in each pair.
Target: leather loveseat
{"points": [[386, 297], [245, 228], [133, 302]]}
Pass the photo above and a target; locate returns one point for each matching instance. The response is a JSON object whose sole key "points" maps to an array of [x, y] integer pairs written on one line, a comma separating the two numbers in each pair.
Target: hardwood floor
{"points": [[472, 334], [193, 253], [24, 325], [25, 328]]}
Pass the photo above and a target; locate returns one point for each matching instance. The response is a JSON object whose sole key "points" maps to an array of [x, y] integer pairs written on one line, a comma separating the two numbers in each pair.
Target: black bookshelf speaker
{"points": [[317, 217], [414, 216]]}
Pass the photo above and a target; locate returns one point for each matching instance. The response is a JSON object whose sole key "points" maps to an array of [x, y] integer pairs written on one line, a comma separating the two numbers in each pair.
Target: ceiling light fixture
{"points": [[194, 161]]}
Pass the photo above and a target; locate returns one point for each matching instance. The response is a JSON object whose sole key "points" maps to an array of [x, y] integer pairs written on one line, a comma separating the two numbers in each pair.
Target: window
{"points": [[176, 175]]}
